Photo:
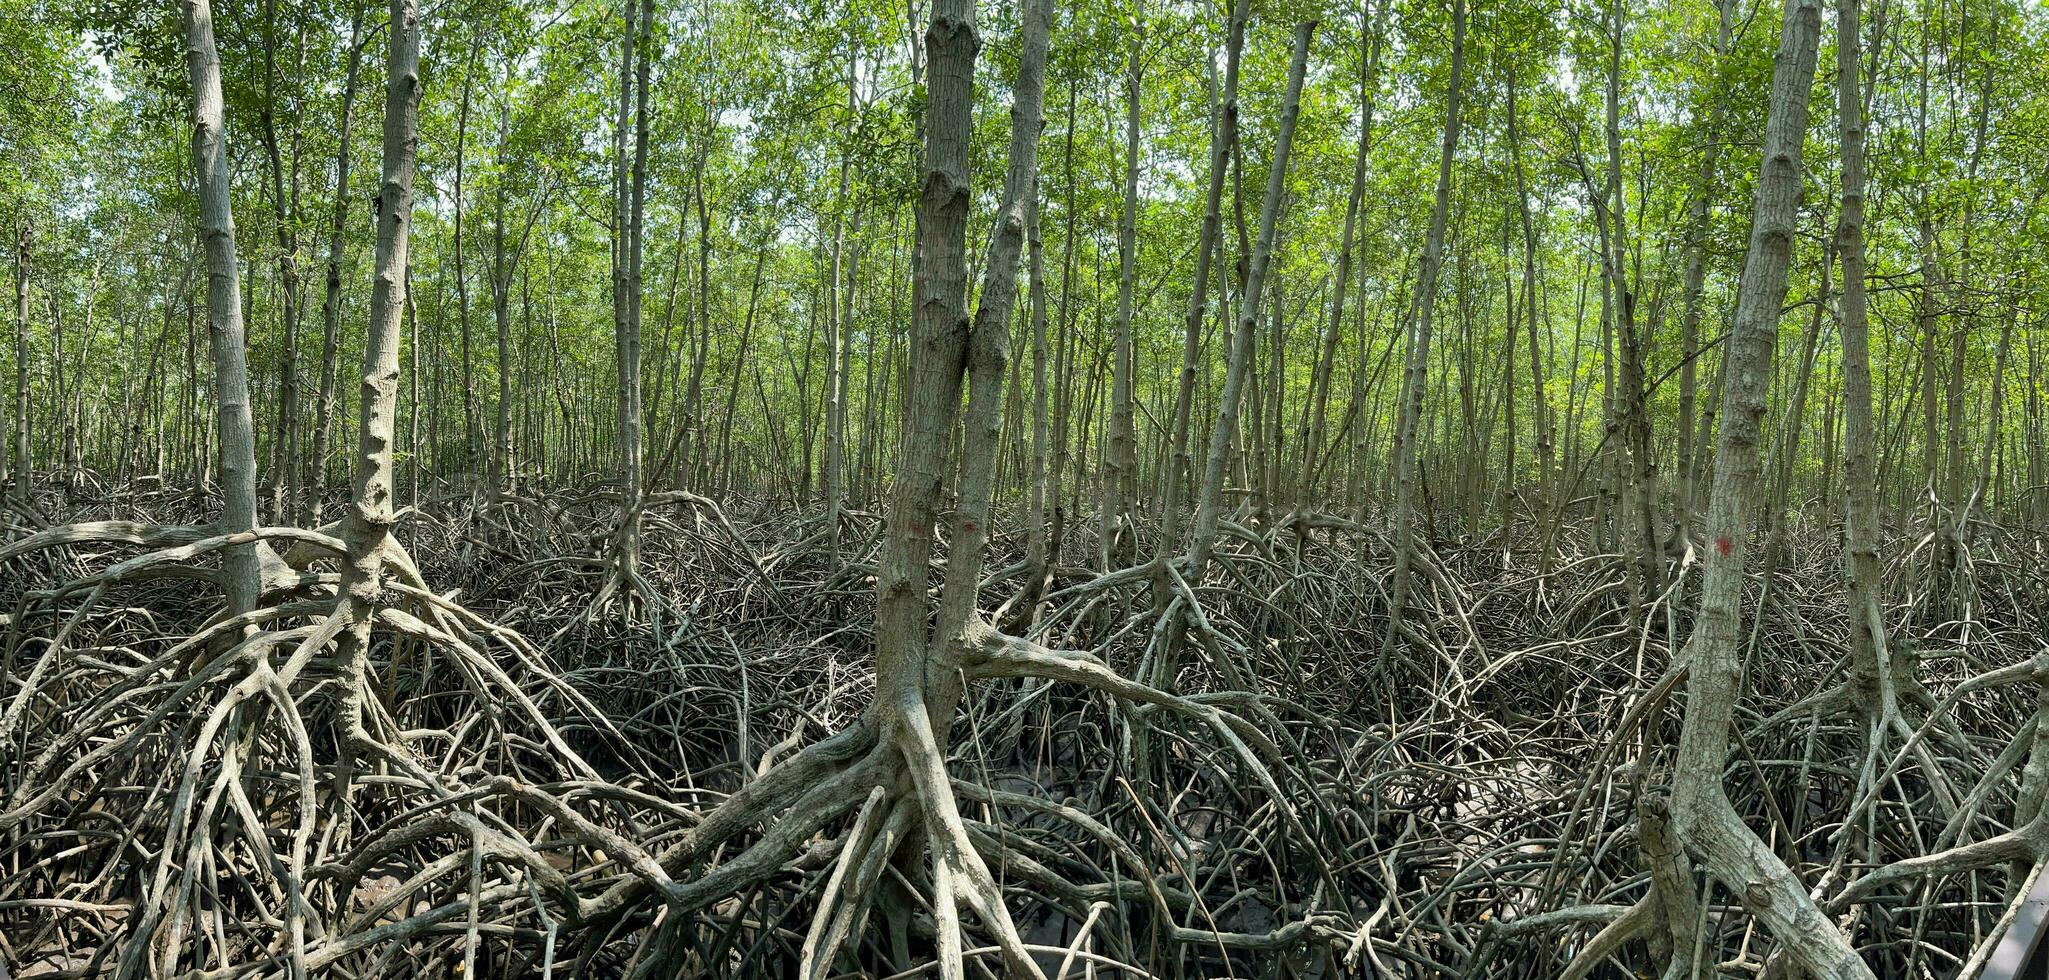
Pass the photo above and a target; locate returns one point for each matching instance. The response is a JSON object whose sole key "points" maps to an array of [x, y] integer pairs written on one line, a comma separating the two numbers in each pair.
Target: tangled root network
{"points": [[512, 779]]}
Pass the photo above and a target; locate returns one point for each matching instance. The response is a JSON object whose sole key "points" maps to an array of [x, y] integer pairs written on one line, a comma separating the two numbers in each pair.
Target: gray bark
{"points": [[1120, 450], [1416, 372], [1209, 501], [223, 308], [1312, 438], [330, 306], [1223, 139], [367, 523], [23, 471], [1870, 676], [1703, 818], [1695, 284]]}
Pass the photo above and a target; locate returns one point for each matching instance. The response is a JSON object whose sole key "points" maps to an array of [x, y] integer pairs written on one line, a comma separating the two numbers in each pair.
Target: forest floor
{"points": [[1401, 815]]}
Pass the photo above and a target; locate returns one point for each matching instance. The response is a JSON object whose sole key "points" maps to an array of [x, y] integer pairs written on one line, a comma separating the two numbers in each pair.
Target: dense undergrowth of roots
{"points": [[528, 758]]}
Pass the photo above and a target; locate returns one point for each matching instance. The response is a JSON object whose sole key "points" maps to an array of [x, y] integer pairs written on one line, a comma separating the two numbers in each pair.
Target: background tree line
{"points": [[780, 188]]}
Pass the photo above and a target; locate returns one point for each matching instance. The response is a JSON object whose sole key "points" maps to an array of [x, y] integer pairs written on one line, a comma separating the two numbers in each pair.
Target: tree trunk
{"points": [[1703, 818], [223, 309], [725, 456], [1542, 428], [1209, 502], [1995, 417], [1041, 490], [693, 390], [1636, 423], [1313, 438], [1416, 373], [499, 466], [631, 147], [330, 306], [1696, 281], [471, 433], [918, 680], [23, 471], [1788, 441], [1120, 451], [838, 334], [1222, 141], [284, 479], [1505, 496], [1870, 676], [366, 526]]}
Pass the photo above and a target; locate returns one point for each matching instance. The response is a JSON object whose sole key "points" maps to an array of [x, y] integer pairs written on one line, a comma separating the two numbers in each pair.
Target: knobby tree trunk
{"points": [[1703, 819], [939, 337], [918, 681], [367, 523]]}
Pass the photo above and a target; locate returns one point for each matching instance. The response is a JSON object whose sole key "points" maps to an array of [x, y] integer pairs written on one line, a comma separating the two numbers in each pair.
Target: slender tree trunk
{"points": [[1788, 443], [330, 306], [1954, 427], [62, 414], [1696, 279], [1223, 139], [223, 309], [1041, 488], [1209, 501], [693, 389], [1965, 317], [837, 335], [1312, 439], [500, 464], [471, 432], [725, 456], [1416, 373], [1276, 389], [2036, 501], [1542, 425], [1636, 423], [23, 471], [1120, 458], [1505, 497], [1995, 419], [284, 479], [631, 146], [1064, 352], [1870, 675]]}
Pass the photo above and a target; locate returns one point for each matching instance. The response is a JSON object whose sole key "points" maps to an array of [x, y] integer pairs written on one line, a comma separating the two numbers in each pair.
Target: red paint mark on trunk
{"points": [[967, 527], [917, 528], [1722, 547]]}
